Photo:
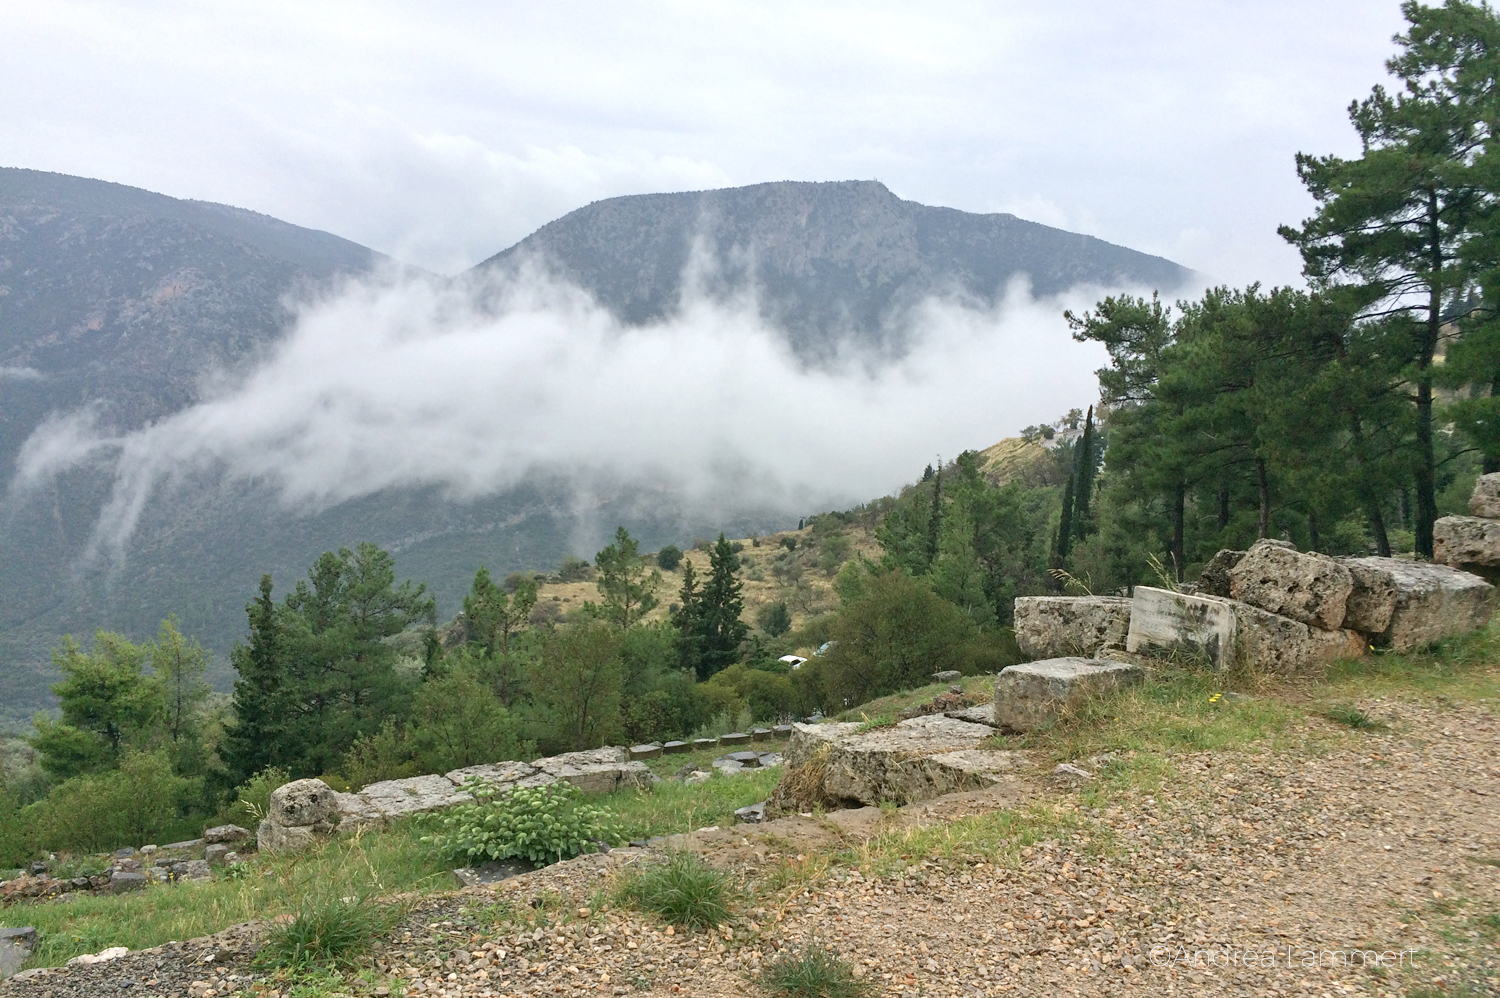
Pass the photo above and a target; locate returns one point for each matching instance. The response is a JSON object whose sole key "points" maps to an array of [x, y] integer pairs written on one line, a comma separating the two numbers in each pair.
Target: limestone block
{"points": [[782, 731], [499, 773], [645, 751], [1429, 602], [415, 795], [760, 734], [1164, 622], [1056, 626], [905, 762], [355, 811], [704, 744], [1374, 598], [1485, 499], [1466, 540], [223, 833], [15, 946], [1032, 695], [1214, 579], [607, 777], [271, 837], [214, 855], [589, 757], [675, 748], [947, 676], [121, 881], [1270, 643], [1311, 588], [808, 739], [302, 802], [735, 738]]}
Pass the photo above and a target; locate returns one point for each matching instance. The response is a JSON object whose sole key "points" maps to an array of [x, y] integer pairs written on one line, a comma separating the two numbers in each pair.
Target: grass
{"points": [[363, 865], [996, 837], [328, 931], [895, 703], [671, 807], [1351, 717], [684, 890], [811, 973]]}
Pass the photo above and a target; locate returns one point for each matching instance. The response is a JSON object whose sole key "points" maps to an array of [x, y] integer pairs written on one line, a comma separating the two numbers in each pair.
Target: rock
{"points": [[752, 814], [271, 837], [214, 855], [1057, 626], [1228, 633], [747, 759], [704, 744], [231, 858], [1214, 579], [760, 734], [491, 873], [1462, 541], [735, 738], [588, 757], [1311, 588], [498, 773], [1427, 602], [302, 803], [983, 713], [769, 759], [697, 776], [727, 766], [124, 853], [807, 740], [121, 881], [645, 751], [1031, 696], [1068, 769], [147, 850], [15, 946], [782, 731], [103, 956], [947, 676], [191, 869], [180, 846], [674, 748], [602, 777], [1373, 600], [1484, 501], [415, 795], [225, 833], [909, 761]]}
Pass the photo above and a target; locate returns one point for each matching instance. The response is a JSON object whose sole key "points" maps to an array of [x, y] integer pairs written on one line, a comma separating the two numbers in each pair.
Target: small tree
{"points": [[107, 701], [495, 617], [774, 618], [580, 683], [627, 589], [668, 558], [719, 629]]}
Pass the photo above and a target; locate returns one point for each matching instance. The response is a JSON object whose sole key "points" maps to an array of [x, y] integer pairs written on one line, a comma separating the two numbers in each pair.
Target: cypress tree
{"points": [[1085, 473], [254, 743]]}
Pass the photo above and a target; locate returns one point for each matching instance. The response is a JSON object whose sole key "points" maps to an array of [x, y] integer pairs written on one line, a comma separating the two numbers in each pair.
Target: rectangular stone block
{"points": [[1163, 622], [760, 734], [735, 738], [1466, 540], [1484, 501], [645, 751], [1059, 626], [674, 748], [704, 744], [1374, 597], [1311, 588], [1428, 602], [1031, 696]]}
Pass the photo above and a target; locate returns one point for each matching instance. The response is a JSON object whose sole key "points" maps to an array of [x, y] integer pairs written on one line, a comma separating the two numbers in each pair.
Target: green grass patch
{"points": [[996, 837], [366, 864], [812, 972], [1352, 717], [684, 890], [328, 931], [672, 807], [982, 687], [1462, 668]]}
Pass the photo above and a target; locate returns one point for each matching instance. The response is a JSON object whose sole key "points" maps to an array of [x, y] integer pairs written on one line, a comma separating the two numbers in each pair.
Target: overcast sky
{"points": [[443, 132]]}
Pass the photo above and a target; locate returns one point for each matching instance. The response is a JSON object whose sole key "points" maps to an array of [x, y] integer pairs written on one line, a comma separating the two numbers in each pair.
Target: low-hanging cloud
{"points": [[398, 382]]}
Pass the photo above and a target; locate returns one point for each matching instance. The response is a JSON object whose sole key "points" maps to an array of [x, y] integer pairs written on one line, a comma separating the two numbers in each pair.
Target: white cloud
{"points": [[398, 383]]}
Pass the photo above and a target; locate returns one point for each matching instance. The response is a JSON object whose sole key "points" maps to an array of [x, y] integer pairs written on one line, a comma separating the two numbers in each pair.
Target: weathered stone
{"points": [[498, 773], [782, 731], [188, 844], [302, 802], [1057, 626], [1214, 579], [746, 758], [946, 676], [751, 814], [1466, 540], [735, 738], [916, 759], [124, 853], [121, 881], [415, 795], [271, 837], [214, 855], [983, 713], [808, 740], [15, 946], [1032, 695], [604, 777], [1484, 501], [223, 833], [675, 747], [1311, 588], [588, 757], [1373, 600], [645, 751], [191, 869], [704, 744], [1428, 602], [760, 734], [103, 956], [1228, 633]]}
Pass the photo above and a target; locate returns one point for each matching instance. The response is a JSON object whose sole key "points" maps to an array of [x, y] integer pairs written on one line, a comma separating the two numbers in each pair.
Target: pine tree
{"points": [[625, 585], [686, 619], [718, 626], [254, 743]]}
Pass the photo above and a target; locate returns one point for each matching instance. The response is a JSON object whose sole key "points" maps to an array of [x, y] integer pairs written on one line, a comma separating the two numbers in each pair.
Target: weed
{"points": [[812, 973], [327, 931], [868, 723], [684, 890], [1351, 717]]}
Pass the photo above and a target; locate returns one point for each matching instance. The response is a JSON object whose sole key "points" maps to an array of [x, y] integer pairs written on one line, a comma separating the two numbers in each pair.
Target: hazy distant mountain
{"points": [[827, 260], [120, 300]]}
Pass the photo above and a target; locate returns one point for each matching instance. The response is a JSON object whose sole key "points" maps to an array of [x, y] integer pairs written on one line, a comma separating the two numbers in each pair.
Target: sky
{"points": [[442, 133]]}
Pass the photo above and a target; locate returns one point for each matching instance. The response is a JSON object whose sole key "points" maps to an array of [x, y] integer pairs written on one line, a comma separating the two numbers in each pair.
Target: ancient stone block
{"points": [[782, 731], [1214, 579], [224, 833], [122, 881], [415, 795], [1032, 695], [704, 744], [1311, 588], [675, 747], [1374, 597], [1466, 540], [302, 802], [1164, 622], [1485, 499], [1057, 626], [214, 855], [735, 738], [645, 751], [947, 676], [909, 761], [1428, 602], [498, 773], [760, 734], [807, 740], [271, 837], [15, 946]]}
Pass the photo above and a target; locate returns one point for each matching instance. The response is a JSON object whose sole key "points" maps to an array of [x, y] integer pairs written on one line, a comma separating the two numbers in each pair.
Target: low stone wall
{"points": [[304, 810]]}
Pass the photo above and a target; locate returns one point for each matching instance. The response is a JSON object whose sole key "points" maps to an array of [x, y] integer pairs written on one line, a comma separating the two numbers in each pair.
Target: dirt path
{"points": [[1248, 873]]}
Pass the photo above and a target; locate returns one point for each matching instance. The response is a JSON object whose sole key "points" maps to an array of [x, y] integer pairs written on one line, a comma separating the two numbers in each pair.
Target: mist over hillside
{"points": [[198, 394], [825, 262]]}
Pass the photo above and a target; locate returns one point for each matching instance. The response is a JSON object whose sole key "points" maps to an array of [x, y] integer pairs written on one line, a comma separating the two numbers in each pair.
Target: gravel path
{"points": [[1248, 873]]}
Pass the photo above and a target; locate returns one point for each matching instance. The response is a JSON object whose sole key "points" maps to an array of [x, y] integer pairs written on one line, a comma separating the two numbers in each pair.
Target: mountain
{"points": [[827, 261], [121, 301]]}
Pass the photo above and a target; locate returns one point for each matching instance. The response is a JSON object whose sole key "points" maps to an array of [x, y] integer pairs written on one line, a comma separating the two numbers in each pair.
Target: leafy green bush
{"points": [[669, 557], [574, 569], [539, 824], [136, 803], [252, 799], [774, 618], [684, 890], [812, 973], [326, 931]]}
